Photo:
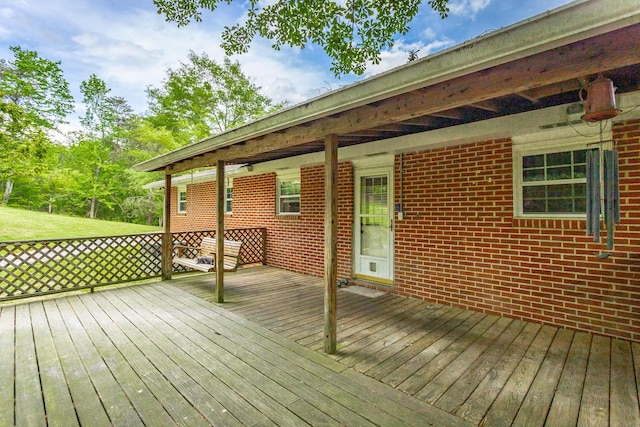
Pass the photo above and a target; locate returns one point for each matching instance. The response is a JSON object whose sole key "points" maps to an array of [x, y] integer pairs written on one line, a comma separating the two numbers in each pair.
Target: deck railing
{"points": [[39, 267]]}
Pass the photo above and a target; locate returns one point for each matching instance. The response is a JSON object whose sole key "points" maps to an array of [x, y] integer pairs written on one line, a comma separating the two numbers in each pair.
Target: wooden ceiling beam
{"points": [[488, 105], [536, 94], [453, 114], [591, 56]]}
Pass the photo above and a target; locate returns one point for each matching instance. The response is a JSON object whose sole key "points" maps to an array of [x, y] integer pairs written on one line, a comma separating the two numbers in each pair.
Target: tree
{"points": [[202, 97], [107, 122], [37, 85], [34, 99], [351, 32]]}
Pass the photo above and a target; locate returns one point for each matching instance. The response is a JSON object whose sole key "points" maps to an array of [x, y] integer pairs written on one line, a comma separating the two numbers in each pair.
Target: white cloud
{"points": [[428, 34], [399, 54], [467, 7]]}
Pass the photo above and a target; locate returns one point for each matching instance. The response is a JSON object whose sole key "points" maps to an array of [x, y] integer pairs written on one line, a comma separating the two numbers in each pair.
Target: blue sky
{"points": [[129, 46]]}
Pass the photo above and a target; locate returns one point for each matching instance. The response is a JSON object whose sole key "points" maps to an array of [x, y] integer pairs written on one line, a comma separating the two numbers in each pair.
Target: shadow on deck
{"points": [[484, 369]]}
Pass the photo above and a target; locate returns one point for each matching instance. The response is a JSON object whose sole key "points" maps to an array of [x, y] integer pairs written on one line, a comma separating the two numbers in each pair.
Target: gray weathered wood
{"points": [[167, 241], [28, 412], [220, 191], [566, 400], [538, 398], [594, 409], [330, 243], [7, 367], [57, 399], [624, 394]]}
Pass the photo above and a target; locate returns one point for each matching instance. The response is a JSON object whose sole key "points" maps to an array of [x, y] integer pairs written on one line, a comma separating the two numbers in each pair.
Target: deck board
{"points": [[565, 406], [57, 398], [7, 367], [163, 354], [483, 369], [624, 395], [594, 407]]}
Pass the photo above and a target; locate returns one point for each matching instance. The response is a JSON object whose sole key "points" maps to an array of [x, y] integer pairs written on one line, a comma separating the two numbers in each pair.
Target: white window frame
{"points": [[549, 145], [181, 205], [228, 201], [280, 179]]}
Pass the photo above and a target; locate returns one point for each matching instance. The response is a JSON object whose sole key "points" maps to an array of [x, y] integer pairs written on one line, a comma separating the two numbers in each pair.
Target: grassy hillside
{"points": [[19, 224]]}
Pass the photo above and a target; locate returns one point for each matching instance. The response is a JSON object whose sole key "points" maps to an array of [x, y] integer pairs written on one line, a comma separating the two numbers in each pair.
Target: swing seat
{"points": [[205, 260]]}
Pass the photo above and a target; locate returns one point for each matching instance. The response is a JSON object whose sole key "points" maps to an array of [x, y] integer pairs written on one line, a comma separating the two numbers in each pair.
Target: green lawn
{"points": [[20, 224]]}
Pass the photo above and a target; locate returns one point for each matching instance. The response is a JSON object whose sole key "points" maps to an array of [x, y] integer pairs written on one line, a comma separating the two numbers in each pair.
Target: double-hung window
{"points": [[288, 195], [182, 200], [228, 197], [554, 183]]}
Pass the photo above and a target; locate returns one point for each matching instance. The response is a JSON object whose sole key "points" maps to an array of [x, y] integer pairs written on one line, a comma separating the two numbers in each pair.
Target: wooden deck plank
{"points": [[445, 375], [219, 357], [312, 415], [302, 381], [144, 385], [412, 411], [309, 323], [192, 369], [435, 365], [369, 345], [479, 402], [88, 406], [311, 374], [566, 400], [411, 366], [535, 407], [422, 328], [355, 331], [114, 399], [350, 320], [28, 411], [174, 370], [449, 322], [470, 378], [57, 398], [508, 402], [624, 394], [594, 409], [7, 365]]}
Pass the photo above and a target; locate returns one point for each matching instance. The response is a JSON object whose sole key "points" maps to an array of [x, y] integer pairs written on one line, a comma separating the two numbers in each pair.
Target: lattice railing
{"points": [[38, 267]]}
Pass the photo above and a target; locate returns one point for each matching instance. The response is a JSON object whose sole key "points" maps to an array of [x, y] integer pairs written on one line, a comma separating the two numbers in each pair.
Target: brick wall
{"points": [[294, 242], [459, 243]]}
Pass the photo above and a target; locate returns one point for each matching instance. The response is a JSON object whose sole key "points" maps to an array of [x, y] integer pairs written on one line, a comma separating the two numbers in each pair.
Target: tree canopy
{"points": [[352, 32], [90, 173], [202, 97]]}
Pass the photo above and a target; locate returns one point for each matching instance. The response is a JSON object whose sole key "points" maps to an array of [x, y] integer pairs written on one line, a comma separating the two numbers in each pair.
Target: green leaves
{"points": [[351, 32], [37, 85], [202, 97]]}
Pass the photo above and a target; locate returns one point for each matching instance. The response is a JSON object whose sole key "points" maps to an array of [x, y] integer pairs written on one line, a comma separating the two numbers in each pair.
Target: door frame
{"points": [[363, 169]]}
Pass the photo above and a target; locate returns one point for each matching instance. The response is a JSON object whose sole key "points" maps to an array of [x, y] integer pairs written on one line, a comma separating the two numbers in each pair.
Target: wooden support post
{"points": [[167, 241], [220, 231], [331, 244]]}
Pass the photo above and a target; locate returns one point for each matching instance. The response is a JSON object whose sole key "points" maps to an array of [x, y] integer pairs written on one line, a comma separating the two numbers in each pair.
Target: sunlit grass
{"points": [[20, 224]]}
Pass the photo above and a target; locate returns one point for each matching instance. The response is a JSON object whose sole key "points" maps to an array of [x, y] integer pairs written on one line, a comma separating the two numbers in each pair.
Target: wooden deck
{"points": [[483, 369], [155, 355]]}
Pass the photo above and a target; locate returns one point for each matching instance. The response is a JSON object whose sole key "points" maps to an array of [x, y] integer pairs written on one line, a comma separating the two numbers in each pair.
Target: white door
{"points": [[374, 224]]}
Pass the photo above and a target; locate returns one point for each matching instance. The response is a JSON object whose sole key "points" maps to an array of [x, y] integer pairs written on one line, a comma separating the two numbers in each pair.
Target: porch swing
{"points": [[204, 258]]}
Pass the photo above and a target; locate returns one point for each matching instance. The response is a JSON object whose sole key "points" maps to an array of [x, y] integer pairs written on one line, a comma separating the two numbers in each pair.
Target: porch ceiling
{"points": [[533, 81]]}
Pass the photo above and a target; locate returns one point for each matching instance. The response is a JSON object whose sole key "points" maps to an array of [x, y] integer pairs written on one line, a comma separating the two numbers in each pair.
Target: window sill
{"points": [[564, 222]]}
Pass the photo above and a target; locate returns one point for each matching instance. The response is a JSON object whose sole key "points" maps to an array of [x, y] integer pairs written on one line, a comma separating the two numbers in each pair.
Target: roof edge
{"points": [[575, 21]]}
